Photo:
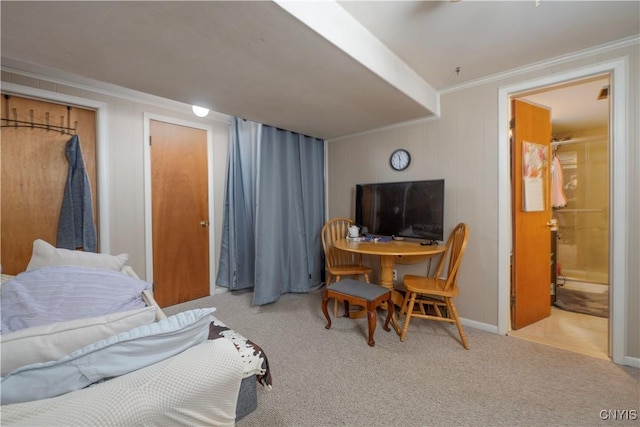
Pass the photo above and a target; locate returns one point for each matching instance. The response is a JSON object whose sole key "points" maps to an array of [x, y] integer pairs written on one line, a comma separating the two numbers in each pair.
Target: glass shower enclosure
{"points": [[583, 224]]}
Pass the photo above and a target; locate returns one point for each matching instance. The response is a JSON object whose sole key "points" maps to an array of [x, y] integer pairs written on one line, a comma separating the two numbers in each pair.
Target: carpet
{"points": [[331, 377], [579, 301]]}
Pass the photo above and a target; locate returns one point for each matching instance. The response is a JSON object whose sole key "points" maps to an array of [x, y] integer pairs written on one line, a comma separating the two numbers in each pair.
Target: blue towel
{"points": [[76, 228]]}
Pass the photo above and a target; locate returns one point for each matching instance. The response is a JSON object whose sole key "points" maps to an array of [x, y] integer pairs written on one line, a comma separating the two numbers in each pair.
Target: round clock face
{"points": [[400, 159]]}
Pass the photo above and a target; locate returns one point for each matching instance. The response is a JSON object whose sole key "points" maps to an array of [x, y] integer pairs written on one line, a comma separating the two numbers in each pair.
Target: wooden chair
{"points": [[340, 263], [433, 295], [351, 291]]}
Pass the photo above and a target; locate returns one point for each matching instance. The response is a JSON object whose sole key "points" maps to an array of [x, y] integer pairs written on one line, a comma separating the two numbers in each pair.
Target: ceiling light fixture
{"points": [[200, 111]]}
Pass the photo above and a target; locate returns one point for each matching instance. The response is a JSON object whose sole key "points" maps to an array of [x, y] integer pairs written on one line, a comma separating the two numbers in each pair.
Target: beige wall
{"points": [[125, 175], [462, 147]]}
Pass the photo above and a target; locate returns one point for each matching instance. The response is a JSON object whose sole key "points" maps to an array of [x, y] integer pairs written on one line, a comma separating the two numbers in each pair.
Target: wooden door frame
{"points": [[102, 148], [618, 219], [147, 194]]}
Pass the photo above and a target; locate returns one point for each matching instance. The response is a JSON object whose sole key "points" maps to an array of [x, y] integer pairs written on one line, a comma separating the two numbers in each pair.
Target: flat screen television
{"points": [[413, 209]]}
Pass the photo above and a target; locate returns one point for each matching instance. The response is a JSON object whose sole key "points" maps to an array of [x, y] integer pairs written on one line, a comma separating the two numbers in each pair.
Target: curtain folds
{"points": [[274, 211]]}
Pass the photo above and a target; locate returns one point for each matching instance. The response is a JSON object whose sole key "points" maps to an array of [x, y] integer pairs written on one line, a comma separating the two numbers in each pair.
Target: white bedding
{"points": [[197, 387], [111, 357]]}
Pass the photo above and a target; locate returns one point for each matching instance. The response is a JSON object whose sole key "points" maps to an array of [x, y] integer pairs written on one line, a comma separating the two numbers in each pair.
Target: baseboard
{"points": [[479, 325], [634, 362]]}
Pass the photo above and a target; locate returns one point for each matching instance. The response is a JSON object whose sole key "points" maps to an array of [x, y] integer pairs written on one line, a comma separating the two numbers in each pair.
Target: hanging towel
{"points": [[558, 199], [75, 225]]}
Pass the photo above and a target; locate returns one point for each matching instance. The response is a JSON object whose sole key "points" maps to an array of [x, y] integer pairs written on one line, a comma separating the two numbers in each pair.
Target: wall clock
{"points": [[400, 159]]}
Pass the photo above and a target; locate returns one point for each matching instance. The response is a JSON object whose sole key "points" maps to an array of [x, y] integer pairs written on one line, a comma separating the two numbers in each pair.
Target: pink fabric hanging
{"points": [[558, 199]]}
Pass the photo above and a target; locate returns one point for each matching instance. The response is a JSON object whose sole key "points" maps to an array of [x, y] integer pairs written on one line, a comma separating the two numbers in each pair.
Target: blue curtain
{"points": [[274, 211]]}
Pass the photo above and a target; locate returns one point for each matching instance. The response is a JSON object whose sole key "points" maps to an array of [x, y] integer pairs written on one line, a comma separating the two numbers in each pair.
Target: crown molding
{"points": [[82, 83], [585, 53]]}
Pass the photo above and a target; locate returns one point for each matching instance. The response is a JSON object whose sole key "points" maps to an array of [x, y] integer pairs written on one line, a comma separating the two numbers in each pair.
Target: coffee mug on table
{"points": [[354, 231]]}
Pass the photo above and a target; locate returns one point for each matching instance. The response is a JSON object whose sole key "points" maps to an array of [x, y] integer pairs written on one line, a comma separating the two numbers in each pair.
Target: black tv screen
{"points": [[412, 209]]}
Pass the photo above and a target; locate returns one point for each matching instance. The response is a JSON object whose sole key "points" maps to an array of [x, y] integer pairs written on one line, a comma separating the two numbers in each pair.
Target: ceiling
{"points": [[325, 69], [575, 105]]}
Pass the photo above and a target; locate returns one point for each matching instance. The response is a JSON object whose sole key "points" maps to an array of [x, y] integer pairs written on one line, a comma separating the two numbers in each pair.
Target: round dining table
{"points": [[390, 253]]}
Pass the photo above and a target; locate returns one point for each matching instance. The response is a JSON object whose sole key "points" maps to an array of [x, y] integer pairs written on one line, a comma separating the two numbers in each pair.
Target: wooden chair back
{"points": [[333, 230], [456, 245]]}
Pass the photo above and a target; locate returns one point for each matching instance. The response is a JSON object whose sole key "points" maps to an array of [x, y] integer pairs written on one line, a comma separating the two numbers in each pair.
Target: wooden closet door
{"points": [[33, 174], [180, 213]]}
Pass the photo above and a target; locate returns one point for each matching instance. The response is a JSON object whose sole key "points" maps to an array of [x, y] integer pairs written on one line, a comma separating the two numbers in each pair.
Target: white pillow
{"points": [[108, 358], [44, 255], [60, 293], [54, 341]]}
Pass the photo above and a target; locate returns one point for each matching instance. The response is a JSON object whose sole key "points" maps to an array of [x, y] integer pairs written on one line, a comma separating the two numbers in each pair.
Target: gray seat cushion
{"points": [[358, 289]]}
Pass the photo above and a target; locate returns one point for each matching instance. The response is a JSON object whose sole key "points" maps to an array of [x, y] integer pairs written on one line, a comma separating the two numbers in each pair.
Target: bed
{"points": [[118, 360]]}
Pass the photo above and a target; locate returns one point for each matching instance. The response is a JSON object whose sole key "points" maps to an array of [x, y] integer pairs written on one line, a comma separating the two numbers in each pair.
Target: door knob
{"points": [[552, 224], [204, 223]]}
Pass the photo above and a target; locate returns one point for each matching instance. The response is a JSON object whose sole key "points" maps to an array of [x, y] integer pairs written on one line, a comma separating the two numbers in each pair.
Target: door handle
{"points": [[552, 224], [204, 223]]}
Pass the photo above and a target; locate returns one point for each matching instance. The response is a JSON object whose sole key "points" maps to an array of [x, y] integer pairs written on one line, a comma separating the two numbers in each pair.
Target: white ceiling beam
{"points": [[331, 21]]}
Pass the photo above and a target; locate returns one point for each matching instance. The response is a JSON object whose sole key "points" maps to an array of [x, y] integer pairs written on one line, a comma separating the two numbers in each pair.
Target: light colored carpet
{"points": [[333, 378]]}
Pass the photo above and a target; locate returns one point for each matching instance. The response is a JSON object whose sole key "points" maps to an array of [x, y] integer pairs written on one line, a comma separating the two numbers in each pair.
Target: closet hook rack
{"points": [[15, 123]]}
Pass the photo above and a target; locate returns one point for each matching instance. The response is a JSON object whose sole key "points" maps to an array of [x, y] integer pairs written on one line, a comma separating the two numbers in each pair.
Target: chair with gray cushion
{"points": [[363, 294]]}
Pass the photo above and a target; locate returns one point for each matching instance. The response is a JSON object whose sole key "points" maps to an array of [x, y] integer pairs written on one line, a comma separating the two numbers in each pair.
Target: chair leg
{"points": [[436, 308], [335, 302], [407, 319], [371, 320], [325, 300], [421, 307], [391, 316], [347, 310], [454, 314], [405, 301]]}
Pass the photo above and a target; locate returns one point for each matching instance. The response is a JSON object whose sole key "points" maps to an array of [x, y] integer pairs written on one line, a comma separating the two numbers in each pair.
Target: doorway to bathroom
{"points": [[579, 197]]}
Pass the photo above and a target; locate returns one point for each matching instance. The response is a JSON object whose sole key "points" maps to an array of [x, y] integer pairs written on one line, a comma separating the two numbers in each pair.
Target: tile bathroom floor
{"points": [[571, 331]]}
